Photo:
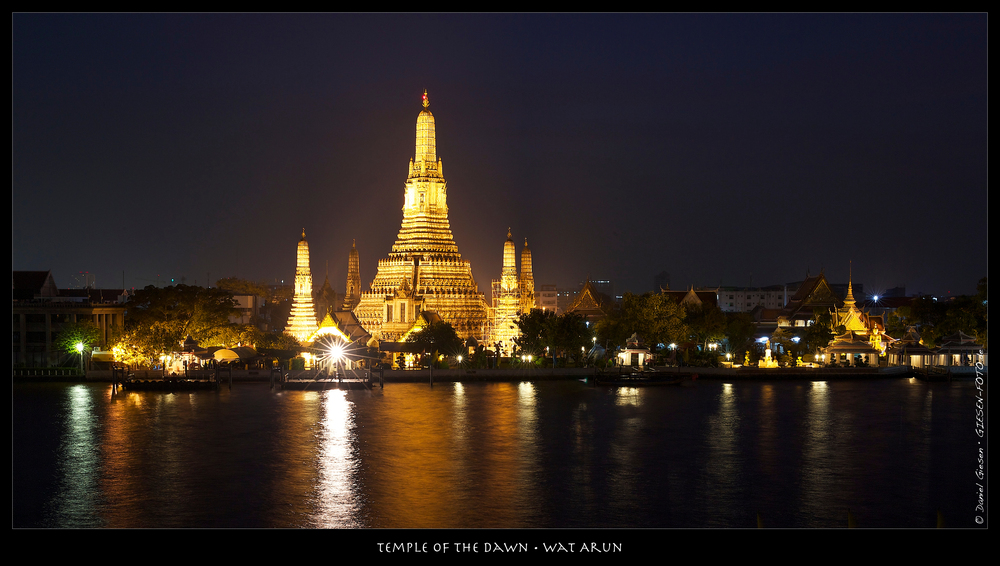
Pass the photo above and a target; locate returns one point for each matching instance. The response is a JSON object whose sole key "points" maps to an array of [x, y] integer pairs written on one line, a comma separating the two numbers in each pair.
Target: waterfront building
{"points": [[41, 310], [635, 354], [910, 351], [302, 320], [959, 349], [864, 337], [424, 270]]}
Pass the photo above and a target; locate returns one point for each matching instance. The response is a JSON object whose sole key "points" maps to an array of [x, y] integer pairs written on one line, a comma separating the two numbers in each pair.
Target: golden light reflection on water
{"points": [[456, 460], [491, 455], [628, 396], [338, 501]]}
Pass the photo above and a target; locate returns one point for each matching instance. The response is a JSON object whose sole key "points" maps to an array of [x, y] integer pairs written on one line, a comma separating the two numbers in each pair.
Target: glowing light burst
{"points": [[336, 353]]}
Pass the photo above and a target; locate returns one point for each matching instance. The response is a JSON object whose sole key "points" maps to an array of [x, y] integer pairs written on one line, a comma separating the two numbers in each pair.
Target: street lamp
{"points": [[79, 349]]}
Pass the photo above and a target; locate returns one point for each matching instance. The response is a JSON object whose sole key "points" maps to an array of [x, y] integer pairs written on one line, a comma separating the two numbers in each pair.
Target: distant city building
{"points": [[894, 292], [302, 320], [565, 298], [424, 270], [746, 299], [604, 286], [248, 308], [547, 299]]}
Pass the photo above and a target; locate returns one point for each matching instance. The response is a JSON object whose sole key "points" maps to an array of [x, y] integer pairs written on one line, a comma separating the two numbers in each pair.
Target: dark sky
{"points": [[718, 148]]}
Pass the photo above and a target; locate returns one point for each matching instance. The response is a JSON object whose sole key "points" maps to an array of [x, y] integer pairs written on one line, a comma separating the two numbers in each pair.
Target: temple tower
{"points": [[526, 281], [424, 270], [506, 300], [353, 293], [302, 320]]}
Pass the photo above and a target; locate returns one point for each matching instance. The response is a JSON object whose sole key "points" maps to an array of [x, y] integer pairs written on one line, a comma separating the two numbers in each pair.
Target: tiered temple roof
{"points": [[424, 270]]}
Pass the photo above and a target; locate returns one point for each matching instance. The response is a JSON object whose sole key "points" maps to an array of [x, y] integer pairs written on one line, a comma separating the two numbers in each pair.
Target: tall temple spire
{"points": [[526, 281], [506, 300], [425, 152], [302, 320], [424, 270], [353, 294], [508, 274], [849, 300]]}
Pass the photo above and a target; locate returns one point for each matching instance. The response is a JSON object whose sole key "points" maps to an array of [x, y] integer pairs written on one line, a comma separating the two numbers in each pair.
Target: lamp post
{"points": [[79, 349]]}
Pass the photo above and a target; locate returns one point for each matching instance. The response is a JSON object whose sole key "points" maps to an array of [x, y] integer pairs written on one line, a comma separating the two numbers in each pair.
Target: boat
{"points": [[640, 379]]}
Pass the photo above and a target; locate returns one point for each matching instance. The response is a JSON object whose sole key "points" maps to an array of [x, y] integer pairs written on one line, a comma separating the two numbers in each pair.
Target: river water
{"points": [[801, 454]]}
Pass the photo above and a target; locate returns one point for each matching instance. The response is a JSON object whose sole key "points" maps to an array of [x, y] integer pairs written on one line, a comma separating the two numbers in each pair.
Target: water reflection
{"points": [[76, 502], [493, 455], [339, 504]]}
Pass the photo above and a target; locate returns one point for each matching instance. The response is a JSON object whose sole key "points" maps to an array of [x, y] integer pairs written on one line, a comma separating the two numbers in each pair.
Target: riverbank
{"points": [[534, 374]]}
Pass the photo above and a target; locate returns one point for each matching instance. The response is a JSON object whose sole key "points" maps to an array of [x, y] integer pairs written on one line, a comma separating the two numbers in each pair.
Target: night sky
{"points": [[724, 149]]}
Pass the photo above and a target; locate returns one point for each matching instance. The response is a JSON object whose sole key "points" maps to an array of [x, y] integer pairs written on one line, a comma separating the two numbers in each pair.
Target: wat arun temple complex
{"points": [[424, 279], [424, 271]]}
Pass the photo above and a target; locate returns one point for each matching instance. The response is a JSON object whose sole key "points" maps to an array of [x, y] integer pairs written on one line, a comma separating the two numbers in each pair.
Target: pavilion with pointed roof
{"points": [[864, 336]]}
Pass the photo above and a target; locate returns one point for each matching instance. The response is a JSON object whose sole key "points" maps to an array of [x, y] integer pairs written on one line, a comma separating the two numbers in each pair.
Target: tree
{"points": [[819, 334], [740, 328], [561, 334], [533, 331], [706, 323], [158, 319], [568, 333], [437, 337], [72, 333], [654, 316]]}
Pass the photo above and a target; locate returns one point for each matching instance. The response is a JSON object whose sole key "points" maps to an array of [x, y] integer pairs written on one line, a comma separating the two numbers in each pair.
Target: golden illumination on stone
{"points": [[506, 301], [526, 282], [353, 294], [424, 271], [329, 328], [302, 320]]}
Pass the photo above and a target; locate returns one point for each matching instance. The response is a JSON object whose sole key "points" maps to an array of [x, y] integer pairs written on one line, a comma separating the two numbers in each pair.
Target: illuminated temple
{"points": [[506, 300], [424, 271], [302, 320]]}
